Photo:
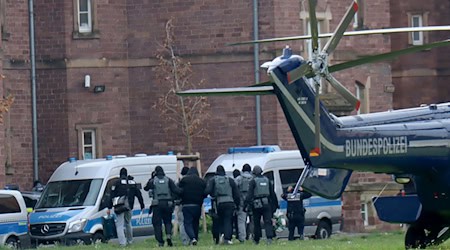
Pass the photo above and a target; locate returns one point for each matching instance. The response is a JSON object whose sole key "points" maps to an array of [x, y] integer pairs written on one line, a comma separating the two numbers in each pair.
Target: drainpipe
{"points": [[256, 68], [33, 92]]}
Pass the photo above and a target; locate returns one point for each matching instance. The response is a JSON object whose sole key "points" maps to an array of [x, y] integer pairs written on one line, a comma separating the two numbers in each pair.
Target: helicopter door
{"points": [[328, 183]]}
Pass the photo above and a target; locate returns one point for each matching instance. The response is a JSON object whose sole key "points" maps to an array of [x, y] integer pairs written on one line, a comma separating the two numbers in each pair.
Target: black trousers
{"points": [[225, 213], [216, 229], [191, 217], [162, 214], [296, 222], [266, 213]]}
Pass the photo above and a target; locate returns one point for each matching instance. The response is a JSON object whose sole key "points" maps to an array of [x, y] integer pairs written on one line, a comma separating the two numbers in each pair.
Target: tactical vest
{"points": [[261, 187], [161, 191], [245, 183], [223, 192]]}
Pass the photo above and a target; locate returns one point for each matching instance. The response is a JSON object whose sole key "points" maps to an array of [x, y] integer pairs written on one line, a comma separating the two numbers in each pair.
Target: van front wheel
{"points": [[98, 237], [323, 230], [12, 243]]}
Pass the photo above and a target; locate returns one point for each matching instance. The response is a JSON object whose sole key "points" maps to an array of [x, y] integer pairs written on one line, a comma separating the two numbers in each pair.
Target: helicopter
{"points": [[411, 144]]}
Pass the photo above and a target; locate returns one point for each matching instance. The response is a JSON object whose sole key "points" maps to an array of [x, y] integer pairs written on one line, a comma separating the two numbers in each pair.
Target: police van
{"points": [[13, 220], [77, 195], [284, 167]]}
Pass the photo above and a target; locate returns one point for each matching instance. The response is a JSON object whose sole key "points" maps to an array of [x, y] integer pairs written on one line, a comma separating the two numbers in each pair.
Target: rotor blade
{"points": [[386, 56], [349, 33], [313, 24], [299, 72], [263, 90], [339, 32], [343, 91]]}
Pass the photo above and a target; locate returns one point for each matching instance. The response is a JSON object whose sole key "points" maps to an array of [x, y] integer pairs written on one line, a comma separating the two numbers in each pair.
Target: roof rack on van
{"points": [[254, 149]]}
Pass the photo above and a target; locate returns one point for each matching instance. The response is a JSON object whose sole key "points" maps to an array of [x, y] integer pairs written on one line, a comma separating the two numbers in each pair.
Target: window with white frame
{"points": [[417, 37], [84, 16], [89, 141], [88, 144], [365, 213]]}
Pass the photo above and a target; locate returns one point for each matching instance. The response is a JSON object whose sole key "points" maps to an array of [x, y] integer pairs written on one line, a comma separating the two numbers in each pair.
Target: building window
{"points": [[417, 19], [365, 213], [89, 141], [84, 16], [88, 144], [417, 37], [84, 19]]}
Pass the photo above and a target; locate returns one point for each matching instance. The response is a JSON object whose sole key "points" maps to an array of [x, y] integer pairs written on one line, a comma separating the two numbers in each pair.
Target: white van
{"points": [[13, 220], [284, 167], [77, 194]]}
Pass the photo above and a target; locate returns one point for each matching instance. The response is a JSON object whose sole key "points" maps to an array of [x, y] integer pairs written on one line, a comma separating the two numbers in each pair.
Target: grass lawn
{"points": [[391, 240]]}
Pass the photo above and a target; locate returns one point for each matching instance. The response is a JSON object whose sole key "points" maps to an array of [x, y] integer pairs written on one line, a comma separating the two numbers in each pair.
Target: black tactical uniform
{"points": [[260, 197], [163, 189], [295, 211], [226, 195]]}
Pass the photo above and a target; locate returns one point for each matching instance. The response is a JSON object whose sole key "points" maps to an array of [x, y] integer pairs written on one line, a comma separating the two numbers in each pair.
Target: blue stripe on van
{"points": [[314, 202], [136, 220], [18, 227]]}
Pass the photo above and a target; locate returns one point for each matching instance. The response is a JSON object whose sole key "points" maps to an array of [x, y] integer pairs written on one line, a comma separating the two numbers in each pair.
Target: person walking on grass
{"points": [[163, 189], [192, 200], [224, 190]]}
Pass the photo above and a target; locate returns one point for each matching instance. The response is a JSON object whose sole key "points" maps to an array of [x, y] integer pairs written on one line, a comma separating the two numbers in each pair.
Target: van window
{"points": [[269, 175], [289, 177], [8, 204], [106, 198], [70, 193]]}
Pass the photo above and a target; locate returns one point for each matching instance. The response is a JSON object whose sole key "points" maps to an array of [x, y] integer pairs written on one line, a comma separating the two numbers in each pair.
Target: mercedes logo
{"points": [[44, 229]]}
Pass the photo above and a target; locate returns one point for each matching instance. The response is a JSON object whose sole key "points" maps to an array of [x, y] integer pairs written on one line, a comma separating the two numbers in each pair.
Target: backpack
{"points": [[223, 190]]}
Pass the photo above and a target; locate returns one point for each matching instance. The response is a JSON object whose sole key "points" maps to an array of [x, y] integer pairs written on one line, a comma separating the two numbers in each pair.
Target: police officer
{"points": [[260, 197], [125, 186], [163, 189], [243, 183], [224, 190], [295, 211]]}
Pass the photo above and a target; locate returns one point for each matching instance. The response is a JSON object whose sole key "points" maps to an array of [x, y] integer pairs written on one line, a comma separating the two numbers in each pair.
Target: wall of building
{"points": [[428, 70], [15, 138]]}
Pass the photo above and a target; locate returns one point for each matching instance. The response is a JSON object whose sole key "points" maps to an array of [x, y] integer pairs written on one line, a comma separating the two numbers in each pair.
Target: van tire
{"points": [[12, 242], [98, 237], [323, 230]]}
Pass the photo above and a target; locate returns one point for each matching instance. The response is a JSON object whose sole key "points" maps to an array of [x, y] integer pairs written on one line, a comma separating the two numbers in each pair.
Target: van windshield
{"points": [[70, 193]]}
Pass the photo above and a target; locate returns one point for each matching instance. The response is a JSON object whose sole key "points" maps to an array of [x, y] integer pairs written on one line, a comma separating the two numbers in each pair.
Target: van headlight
{"points": [[77, 225]]}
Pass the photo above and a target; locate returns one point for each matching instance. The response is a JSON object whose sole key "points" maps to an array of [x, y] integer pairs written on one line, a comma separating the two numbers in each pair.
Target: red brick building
{"points": [[115, 43]]}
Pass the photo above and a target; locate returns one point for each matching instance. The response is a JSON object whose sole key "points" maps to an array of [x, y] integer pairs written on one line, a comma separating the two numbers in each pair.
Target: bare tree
{"points": [[5, 104], [187, 113]]}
